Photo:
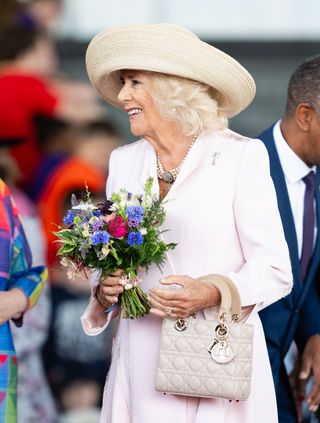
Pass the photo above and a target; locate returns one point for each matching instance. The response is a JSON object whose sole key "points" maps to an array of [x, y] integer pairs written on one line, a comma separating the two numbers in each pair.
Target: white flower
{"points": [[84, 206], [85, 231], [113, 208], [143, 231], [105, 250]]}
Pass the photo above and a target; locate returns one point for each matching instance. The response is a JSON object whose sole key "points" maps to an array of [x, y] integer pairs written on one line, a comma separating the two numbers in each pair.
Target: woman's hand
{"points": [[12, 304], [109, 289], [180, 303]]}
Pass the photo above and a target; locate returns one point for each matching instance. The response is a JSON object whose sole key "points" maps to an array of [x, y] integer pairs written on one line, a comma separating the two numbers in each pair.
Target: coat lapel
{"points": [[149, 168], [189, 165]]}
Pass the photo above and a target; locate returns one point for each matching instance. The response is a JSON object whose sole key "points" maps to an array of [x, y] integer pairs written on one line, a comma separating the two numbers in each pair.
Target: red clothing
{"points": [[23, 97]]}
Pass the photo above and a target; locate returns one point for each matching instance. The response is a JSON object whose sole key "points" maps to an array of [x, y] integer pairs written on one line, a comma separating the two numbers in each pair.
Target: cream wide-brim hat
{"points": [[168, 49]]}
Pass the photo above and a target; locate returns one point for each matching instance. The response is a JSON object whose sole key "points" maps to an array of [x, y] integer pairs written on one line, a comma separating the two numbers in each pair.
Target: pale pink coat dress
{"points": [[222, 211]]}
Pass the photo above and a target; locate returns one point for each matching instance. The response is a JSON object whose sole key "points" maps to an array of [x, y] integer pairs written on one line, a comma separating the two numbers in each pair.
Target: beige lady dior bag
{"points": [[207, 358]]}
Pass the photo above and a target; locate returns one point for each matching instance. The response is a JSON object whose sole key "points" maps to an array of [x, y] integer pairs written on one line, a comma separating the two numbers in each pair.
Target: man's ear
{"points": [[304, 115]]}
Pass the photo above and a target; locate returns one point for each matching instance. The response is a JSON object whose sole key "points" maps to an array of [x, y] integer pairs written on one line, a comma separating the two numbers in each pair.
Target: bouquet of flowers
{"points": [[122, 233]]}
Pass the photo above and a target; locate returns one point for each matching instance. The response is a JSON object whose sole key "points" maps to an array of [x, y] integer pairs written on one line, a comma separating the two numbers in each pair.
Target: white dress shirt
{"points": [[294, 170]]}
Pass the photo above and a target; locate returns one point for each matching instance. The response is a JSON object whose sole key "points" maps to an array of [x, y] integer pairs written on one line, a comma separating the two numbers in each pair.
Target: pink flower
{"points": [[117, 227]]}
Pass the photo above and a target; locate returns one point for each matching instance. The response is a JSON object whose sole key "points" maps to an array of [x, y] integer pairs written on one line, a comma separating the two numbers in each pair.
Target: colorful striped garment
{"points": [[15, 272]]}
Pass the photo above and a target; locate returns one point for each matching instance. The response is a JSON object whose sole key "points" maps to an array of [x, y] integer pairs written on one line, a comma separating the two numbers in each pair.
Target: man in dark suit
{"points": [[293, 145]]}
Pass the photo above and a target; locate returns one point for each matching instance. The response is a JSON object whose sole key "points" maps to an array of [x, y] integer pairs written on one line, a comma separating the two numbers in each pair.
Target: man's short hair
{"points": [[304, 86]]}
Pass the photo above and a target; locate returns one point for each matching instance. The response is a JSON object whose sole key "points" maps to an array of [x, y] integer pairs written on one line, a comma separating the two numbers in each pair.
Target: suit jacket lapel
{"points": [[283, 202]]}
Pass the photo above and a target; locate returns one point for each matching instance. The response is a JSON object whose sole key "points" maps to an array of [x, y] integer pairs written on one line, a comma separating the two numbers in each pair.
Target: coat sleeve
{"points": [[21, 274], [96, 318], [29, 279], [266, 275]]}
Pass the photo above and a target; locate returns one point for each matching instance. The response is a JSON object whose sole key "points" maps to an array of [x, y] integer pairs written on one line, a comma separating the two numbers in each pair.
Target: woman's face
{"points": [[136, 97]]}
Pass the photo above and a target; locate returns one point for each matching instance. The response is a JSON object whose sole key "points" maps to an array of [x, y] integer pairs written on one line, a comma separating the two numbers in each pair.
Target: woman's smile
{"points": [[136, 96]]}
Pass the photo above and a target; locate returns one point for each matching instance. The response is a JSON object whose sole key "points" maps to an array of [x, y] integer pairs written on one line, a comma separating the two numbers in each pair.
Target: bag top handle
{"points": [[230, 297]]}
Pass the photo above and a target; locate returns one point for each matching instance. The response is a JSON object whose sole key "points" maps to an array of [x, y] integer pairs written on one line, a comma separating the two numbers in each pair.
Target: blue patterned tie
{"points": [[308, 224]]}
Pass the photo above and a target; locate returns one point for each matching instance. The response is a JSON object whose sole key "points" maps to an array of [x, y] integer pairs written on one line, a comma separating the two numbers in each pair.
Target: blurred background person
{"points": [[293, 144], [39, 13], [29, 339], [21, 286], [28, 63], [73, 362], [31, 13], [73, 158]]}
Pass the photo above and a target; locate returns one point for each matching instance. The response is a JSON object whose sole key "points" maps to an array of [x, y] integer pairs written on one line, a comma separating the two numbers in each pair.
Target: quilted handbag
{"points": [[207, 358]]}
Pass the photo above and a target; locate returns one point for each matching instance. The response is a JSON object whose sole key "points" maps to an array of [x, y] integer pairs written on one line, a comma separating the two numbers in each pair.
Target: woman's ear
{"points": [[304, 115]]}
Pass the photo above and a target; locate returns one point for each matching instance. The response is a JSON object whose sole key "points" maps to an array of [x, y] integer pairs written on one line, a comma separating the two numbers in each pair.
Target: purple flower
{"points": [[134, 222], [69, 218], [100, 237], [135, 238], [97, 225], [135, 215], [104, 208]]}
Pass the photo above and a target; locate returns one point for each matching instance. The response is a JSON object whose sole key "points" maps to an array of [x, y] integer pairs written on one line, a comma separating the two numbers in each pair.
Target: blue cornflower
{"points": [[69, 218], [97, 225], [100, 237], [135, 214], [135, 238], [96, 213]]}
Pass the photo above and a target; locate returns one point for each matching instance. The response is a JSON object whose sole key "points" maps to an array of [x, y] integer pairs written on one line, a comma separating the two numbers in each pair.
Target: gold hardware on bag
{"points": [[180, 325], [235, 318]]}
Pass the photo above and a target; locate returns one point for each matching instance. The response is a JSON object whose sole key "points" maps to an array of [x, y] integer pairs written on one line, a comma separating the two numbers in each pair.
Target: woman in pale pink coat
{"points": [[221, 209]]}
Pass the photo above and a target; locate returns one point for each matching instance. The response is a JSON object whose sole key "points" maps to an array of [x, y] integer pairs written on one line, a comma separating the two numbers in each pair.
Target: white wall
{"points": [[211, 19]]}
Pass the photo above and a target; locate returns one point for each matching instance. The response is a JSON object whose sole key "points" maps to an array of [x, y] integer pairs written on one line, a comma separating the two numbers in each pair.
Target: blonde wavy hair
{"points": [[189, 102]]}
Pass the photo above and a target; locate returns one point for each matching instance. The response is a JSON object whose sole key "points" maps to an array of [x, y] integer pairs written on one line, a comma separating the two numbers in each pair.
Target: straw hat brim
{"points": [[167, 49]]}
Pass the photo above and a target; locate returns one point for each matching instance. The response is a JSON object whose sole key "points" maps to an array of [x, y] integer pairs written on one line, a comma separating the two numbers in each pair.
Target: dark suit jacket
{"points": [[297, 316]]}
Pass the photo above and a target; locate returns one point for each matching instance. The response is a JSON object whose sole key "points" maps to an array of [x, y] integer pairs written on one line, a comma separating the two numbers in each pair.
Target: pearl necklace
{"points": [[169, 176]]}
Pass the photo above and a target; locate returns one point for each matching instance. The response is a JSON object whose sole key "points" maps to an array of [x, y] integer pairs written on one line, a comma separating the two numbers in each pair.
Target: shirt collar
{"points": [[293, 167]]}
